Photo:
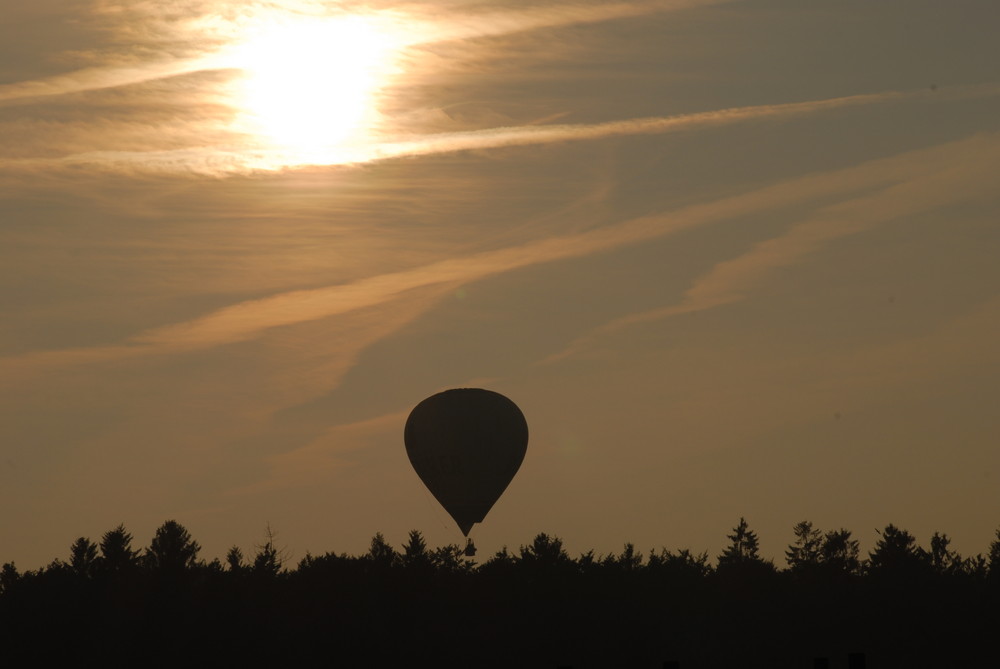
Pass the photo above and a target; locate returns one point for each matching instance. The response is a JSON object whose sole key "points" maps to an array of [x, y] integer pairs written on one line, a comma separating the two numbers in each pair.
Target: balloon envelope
{"points": [[466, 444]]}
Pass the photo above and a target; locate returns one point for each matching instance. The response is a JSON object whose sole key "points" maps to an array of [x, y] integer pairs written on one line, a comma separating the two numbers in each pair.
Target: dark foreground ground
{"points": [[334, 618]]}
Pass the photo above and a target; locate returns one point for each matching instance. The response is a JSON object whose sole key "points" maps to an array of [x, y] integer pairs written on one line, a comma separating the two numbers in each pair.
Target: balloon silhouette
{"points": [[466, 444]]}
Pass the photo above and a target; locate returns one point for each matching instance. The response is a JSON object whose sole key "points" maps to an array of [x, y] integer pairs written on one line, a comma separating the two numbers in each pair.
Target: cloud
{"points": [[156, 96], [324, 453], [491, 22], [187, 129], [911, 181], [942, 175], [96, 78], [149, 36], [546, 134], [206, 160]]}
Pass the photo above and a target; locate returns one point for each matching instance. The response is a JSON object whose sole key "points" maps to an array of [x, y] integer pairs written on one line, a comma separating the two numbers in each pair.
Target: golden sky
{"points": [[731, 258]]}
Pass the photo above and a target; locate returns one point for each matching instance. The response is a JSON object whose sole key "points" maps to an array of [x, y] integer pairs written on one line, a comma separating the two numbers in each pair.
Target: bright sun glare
{"points": [[308, 87]]}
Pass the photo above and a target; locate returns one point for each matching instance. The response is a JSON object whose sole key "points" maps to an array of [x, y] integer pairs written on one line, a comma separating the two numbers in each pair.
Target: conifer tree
{"points": [[117, 554], [234, 558], [744, 547], [896, 554], [172, 549], [806, 551], [840, 552], [415, 554], [381, 553], [269, 559], [83, 557], [993, 559]]}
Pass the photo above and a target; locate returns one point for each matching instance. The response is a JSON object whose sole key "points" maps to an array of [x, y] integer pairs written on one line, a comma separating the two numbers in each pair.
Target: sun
{"points": [[308, 86]]}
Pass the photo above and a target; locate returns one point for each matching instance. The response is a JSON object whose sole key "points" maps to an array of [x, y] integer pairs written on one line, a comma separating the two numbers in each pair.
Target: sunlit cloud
{"points": [[484, 21], [301, 80], [910, 182], [546, 134], [213, 35], [286, 85], [221, 162]]}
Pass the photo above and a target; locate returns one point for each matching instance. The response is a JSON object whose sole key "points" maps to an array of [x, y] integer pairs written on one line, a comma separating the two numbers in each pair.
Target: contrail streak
{"points": [[222, 162]]}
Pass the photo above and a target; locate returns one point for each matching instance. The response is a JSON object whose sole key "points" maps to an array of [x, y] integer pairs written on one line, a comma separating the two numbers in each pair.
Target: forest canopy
{"points": [[534, 606]]}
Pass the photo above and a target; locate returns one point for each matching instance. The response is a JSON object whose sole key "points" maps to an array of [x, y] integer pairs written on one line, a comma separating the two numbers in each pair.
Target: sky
{"points": [[730, 258]]}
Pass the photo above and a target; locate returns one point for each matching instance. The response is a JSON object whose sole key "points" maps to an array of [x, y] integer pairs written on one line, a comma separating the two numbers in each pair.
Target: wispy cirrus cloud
{"points": [[546, 134], [952, 173], [215, 161], [913, 181], [160, 93], [187, 125], [484, 21], [153, 42]]}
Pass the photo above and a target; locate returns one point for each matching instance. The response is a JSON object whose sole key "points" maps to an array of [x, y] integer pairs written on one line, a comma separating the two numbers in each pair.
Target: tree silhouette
{"points": [[993, 559], [806, 551], [839, 553], [743, 548], [623, 609], [943, 560], [628, 561], [740, 562], [83, 557], [234, 558], [381, 554], [544, 550], [268, 560], [117, 555], [499, 566], [172, 549], [8, 577], [451, 559], [683, 564], [415, 554], [896, 554]]}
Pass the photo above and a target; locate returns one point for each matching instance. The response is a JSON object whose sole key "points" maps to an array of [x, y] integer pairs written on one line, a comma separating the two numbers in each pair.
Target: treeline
{"points": [[902, 604]]}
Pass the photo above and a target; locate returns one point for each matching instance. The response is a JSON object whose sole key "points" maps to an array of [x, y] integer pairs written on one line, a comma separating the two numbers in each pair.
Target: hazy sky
{"points": [[730, 259]]}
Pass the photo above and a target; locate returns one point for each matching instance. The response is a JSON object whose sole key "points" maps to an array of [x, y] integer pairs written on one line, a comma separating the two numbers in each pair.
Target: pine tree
{"points": [[117, 555], [415, 554], [896, 554], [381, 553], [840, 553], [269, 559], [805, 553], [83, 557], [740, 562], [172, 549], [744, 547], [234, 558], [993, 559]]}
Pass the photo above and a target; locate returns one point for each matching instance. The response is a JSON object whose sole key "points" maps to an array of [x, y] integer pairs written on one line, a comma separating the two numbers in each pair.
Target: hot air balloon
{"points": [[466, 444]]}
